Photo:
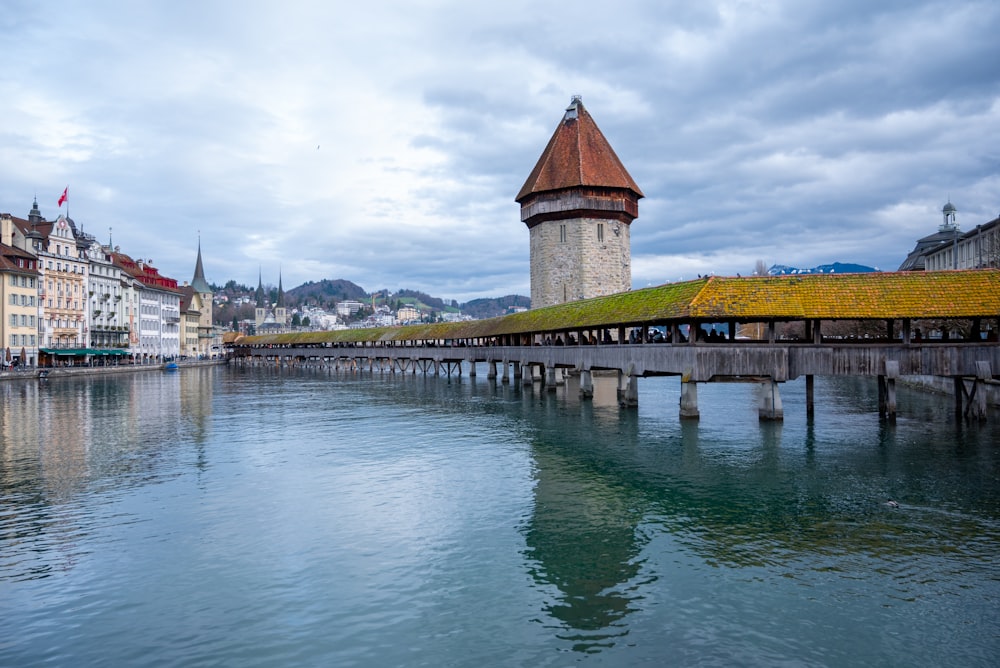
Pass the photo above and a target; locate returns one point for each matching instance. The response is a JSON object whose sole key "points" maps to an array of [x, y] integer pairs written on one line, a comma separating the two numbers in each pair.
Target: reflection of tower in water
{"points": [[582, 540]]}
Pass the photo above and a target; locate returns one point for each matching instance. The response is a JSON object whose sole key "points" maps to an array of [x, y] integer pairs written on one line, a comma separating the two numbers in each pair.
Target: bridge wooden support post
{"points": [[974, 400], [550, 378], [887, 391], [689, 397], [810, 398], [472, 368], [528, 377], [560, 376], [770, 402], [517, 371], [437, 368], [491, 369], [586, 384], [505, 377]]}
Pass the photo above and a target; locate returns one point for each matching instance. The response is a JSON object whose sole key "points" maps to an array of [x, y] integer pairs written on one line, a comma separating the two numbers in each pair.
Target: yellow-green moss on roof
{"points": [[895, 295]]}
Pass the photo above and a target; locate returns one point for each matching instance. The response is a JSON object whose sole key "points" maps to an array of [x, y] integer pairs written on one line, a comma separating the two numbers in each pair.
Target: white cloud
{"points": [[796, 133]]}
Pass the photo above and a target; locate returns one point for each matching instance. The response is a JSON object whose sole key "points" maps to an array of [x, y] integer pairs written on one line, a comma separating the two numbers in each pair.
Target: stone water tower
{"points": [[578, 204]]}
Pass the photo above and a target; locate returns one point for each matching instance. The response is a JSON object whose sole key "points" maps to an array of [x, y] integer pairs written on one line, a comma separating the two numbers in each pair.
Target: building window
{"points": [[600, 231], [562, 234]]}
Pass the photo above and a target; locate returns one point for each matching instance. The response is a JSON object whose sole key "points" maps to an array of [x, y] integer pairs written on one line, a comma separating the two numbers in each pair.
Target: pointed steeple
{"points": [[261, 297], [281, 293], [198, 282]]}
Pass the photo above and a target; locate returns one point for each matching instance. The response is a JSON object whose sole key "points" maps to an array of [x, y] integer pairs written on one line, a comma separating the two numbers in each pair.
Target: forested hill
{"points": [[490, 307], [326, 291]]}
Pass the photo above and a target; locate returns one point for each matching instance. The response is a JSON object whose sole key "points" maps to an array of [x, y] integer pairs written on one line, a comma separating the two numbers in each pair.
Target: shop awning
{"points": [[81, 352]]}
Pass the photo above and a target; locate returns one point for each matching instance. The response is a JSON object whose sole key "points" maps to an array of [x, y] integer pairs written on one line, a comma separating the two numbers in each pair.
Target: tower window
{"points": [[562, 234], [600, 231]]}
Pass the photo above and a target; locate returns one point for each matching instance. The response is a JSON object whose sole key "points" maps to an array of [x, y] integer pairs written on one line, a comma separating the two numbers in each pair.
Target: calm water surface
{"points": [[228, 517]]}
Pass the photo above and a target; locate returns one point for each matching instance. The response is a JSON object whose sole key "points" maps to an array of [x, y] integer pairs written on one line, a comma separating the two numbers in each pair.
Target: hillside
{"points": [[325, 292], [492, 307]]}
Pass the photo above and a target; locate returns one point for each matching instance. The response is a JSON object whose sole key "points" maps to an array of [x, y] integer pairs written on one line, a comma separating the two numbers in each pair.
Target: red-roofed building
{"points": [[157, 334]]}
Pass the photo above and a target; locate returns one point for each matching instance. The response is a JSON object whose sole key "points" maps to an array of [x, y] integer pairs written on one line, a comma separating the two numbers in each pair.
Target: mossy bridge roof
{"points": [[870, 296]]}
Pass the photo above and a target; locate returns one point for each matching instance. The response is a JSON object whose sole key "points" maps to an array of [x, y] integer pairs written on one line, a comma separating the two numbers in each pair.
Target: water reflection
{"points": [[782, 497], [566, 524], [67, 437], [582, 540]]}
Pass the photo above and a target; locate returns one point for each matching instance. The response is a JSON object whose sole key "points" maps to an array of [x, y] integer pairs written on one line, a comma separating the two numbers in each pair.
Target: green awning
{"points": [[81, 352]]}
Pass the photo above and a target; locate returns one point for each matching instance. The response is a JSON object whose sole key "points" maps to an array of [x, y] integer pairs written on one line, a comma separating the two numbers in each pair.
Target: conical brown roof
{"points": [[577, 155]]}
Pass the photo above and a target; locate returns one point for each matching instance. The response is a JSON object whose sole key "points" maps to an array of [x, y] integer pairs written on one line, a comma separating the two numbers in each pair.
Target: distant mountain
{"points": [[835, 268]]}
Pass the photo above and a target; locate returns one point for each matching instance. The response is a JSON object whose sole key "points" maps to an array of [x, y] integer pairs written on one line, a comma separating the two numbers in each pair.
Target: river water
{"points": [[262, 517]]}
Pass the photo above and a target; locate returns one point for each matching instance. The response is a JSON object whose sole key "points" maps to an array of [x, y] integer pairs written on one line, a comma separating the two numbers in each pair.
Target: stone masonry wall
{"points": [[582, 266]]}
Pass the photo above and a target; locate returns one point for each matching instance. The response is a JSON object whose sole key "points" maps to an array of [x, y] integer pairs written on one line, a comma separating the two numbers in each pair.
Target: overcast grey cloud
{"points": [[383, 142]]}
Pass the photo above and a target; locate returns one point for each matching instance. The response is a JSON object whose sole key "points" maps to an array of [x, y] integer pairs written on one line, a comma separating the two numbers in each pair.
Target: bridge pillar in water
{"points": [[887, 391], [628, 390], [529, 376], [689, 398], [472, 368], [505, 377], [517, 370], [586, 384], [770, 401], [810, 403], [550, 378], [491, 369]]}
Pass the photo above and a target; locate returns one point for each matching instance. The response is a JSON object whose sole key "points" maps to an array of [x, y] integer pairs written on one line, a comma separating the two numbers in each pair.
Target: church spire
{"points": [[261, 297], [198, 282], [281, 293]]}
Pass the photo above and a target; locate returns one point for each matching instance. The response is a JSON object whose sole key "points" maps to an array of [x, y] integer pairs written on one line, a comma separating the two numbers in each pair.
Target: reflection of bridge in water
{"points": [[520, 347]]}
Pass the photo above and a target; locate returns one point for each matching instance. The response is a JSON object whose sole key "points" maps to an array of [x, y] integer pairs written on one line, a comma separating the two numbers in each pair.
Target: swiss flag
{"points": [[64, 197]]}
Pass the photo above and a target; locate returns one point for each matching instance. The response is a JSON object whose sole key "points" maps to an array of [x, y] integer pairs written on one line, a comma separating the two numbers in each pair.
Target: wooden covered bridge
{"points": [[717, 329]]}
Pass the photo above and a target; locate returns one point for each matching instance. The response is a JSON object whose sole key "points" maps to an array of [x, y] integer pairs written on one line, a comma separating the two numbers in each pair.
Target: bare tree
{"points": [[760, 268]]}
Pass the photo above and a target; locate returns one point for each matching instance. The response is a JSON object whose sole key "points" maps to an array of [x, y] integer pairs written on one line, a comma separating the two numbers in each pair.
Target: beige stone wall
{"points": [[584, 265]]}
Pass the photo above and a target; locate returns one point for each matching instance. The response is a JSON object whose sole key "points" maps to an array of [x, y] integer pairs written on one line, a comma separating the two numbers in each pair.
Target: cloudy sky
{"points": [[383, 142]]}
